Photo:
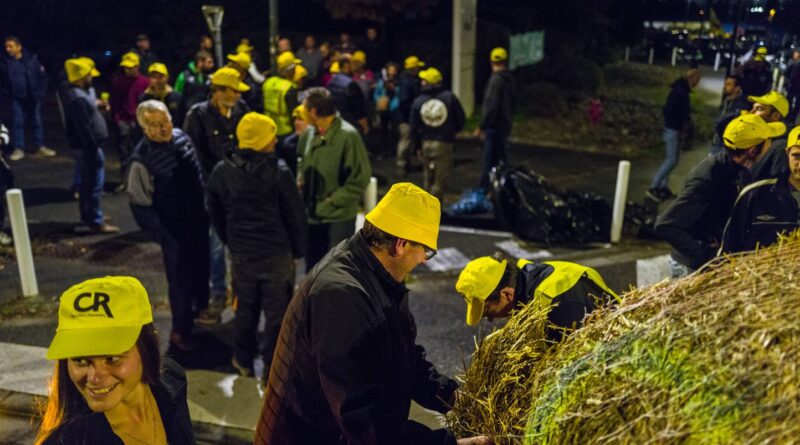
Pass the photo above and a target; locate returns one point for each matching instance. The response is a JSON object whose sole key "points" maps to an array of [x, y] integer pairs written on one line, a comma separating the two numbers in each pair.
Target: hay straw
{"points": [[709, 359]]}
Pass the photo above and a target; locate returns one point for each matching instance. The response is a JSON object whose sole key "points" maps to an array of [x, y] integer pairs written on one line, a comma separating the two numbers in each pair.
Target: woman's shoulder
{"points": [[86, 429]]}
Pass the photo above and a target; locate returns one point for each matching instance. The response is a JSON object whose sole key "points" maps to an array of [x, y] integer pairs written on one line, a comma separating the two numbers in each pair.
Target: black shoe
{"points": [[654, 194], [184, 342]]}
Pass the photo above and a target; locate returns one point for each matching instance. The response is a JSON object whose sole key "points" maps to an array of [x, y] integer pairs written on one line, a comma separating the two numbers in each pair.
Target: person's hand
{"points": [[478, 133], [477, 440], [364, 125]]}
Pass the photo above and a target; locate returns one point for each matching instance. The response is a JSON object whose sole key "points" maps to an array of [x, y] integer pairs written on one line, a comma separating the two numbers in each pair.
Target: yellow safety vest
{"points": [[275, 89], [565, 275]]}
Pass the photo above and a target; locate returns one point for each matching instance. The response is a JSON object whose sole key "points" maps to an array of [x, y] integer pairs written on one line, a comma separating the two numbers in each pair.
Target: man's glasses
{"points": [[429, 253]]}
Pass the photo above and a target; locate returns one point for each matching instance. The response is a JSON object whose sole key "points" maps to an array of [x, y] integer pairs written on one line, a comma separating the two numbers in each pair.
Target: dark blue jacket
{"points": [[677, 110], [436, 128], [23, 78], [348, 97], [86, 127]]}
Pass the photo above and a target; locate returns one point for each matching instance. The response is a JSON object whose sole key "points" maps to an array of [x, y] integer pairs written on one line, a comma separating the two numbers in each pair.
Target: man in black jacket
{"points": [[436, 117], [498, 108], [348, 96], [408, 88], [258, 213], [165, 186], [347, 364], [86, 132], [767, 207], [694, 222], [677, 118]]}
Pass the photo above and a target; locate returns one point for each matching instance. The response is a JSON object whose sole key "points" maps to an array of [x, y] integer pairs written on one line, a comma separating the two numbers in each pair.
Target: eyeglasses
{"points": [[429, 253]]}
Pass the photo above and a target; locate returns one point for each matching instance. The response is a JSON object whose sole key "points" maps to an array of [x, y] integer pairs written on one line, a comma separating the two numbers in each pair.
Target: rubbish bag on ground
{"points": [[472, 201]]}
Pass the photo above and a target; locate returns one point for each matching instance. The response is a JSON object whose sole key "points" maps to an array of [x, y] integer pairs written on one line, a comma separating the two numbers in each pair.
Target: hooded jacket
{"points": [[255, 206], [437, 129], [677, 110], [172, 99], [499, 101]]}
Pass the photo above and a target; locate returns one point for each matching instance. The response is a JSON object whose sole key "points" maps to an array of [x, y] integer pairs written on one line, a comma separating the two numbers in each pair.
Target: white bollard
{"points": [[627, 54], [370, 201], [775, 73], [620, 199], [781, 80], [674, 56], [22, 242], [717, 61], [650, 57]]}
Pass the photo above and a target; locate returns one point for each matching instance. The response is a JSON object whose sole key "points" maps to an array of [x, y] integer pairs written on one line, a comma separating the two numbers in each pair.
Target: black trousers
{"points": [[260, 284], [186, 265], [323, 237]]}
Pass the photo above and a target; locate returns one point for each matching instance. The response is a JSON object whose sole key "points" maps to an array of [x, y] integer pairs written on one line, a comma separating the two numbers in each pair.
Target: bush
{"points": [[543, 99]]}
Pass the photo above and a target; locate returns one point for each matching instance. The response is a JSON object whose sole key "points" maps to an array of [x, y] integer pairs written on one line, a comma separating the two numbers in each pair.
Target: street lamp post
{"points": [[213, 15]]}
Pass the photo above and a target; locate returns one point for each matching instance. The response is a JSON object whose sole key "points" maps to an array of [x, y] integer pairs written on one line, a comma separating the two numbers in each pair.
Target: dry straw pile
{"points": [[709, 359]]}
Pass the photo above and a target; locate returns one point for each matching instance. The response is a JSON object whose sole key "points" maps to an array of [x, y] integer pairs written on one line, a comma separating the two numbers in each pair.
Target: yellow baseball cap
{"points": [[77, 69], [101, 316], [431, 75], [359, 56], [794, 138], [229, 77], [498, 55], [413, 62], [408, 212], [255, 131], [476, 282], [335, 68], [244, 48], [775, 99], [159, 68], [749, 130], [94, 72], [300, 73], [241, 58], [286, 60], [129, 60], [300, 112]]}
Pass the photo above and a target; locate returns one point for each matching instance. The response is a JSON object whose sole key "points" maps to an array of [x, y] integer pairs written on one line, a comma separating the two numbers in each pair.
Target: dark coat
{"points": [[347, 364], [447, 130], [677, 111], [213, 136], [694, 222], [349, 98], [174, 102], [23, 78], [499, 101], [255, 206], [774, 164], [408, 88], [170, 394], [86, 127], [762, 211]]}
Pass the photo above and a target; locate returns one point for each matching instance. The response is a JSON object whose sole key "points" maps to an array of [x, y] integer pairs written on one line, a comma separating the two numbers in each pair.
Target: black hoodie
{"points": [[440, 131], [678, 108], [499, 102]]}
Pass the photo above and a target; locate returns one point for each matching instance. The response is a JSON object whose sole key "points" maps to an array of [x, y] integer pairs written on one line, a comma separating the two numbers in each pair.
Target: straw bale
{"points": [[708, 359]]}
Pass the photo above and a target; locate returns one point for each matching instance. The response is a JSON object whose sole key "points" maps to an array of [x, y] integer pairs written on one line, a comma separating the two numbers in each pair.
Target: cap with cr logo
{"points": [[101, 316]]}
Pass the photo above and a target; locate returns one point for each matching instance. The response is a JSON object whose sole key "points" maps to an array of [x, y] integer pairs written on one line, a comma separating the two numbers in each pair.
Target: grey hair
{"points": [[151, 105]]}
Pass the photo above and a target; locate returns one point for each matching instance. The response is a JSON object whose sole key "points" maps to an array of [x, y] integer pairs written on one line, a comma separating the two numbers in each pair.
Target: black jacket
{"points": [[86, 127], [428, 127], [348, 97], [774, 164], [170, 394], [499, 101], [408, 88], [677, 111], [213, 135], [347, 364], [174, 102], [694, 222], [255, 206], [23, 78], [165, 186], [763, 209]]}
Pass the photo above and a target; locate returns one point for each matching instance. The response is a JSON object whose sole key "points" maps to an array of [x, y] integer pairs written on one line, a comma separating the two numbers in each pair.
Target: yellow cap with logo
{"points": [[255, 131], [129, 60], [498, 55], [773, 98], [159, 68], [793, 139], [244, 48], [431, 75], [410, 213], [241, 58], [286, 60], [749, 130], [412, 62], [476, 282], [101, 316], [229, 77], [79, 68]]}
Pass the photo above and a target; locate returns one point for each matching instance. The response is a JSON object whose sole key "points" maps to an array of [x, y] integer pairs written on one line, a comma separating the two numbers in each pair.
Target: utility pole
{"points": [[464, 35], [273, 34], [213, 15], [735, 36]]}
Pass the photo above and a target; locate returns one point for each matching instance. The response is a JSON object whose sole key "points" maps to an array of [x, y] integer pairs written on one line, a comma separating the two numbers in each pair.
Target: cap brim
{"points": [[242, 87], [128, 64], [776, 129], [474, 311], [95, 73], [92, 342]]}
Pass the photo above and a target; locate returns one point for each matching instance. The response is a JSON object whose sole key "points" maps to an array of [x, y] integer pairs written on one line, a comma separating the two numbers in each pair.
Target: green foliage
{"points": [[543, 99]]}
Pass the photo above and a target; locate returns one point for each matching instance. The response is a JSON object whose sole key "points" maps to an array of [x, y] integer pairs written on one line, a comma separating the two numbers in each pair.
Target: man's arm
{"points": [[214, 204], [357, 173], [672, 225], [491, 103], [431, 389], [140, 193]]}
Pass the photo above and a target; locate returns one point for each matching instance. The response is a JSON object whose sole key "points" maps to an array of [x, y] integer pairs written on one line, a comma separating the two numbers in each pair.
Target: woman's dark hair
{"points": [[320, 99], [65, 403], [509, 278]]}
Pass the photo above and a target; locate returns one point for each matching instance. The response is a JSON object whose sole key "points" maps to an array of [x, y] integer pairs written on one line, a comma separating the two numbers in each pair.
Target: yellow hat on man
{"points": [[749, 130], [101, 316], [476, 282], [229, 77], [359, 56], [94, 72], [78, 68], [498, 55], [129, 60], [286, 60], [241, 58], [410, 213], [244, 48], [256, 131], [300, 112], [793, 140], [431, 75], [775, 99], [412, 62], [159, 68]]}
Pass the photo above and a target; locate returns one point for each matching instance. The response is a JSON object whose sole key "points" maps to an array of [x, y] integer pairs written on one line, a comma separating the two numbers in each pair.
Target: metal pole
{"points": [[22, 242], [213, 15], [273, 34], [627, 54], [650, 57], [674, 55], [717, 60], [463, 52], [620, 198]]}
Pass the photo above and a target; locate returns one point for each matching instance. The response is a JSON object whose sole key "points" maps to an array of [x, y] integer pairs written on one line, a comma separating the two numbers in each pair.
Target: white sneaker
{"points": [[5, 240], [46, 152], [16, 155]]}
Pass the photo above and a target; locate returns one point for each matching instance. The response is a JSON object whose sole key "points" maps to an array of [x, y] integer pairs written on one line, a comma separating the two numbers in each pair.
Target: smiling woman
{"points": [[110, 384]]}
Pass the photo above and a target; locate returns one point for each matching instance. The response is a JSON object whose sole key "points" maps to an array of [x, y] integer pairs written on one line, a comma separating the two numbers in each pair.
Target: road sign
{"points": [[526, 49]]}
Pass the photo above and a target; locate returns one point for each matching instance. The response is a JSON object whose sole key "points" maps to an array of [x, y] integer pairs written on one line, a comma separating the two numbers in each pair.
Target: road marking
{"points": [[455, 229], [447, 259]]}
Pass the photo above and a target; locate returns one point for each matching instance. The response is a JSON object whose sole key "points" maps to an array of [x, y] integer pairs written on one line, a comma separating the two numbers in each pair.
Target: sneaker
{"points": [[16, 155], [96, 228], [206, 317], [5, 240], [654, 194], [244, 371], [46, 152], [183, 342]]}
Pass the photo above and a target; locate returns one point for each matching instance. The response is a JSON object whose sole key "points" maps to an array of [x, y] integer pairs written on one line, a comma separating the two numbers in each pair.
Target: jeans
{"points": [[661, 179], [33, 109], [93, 177], [323, 237], [186, 267], [217, 266], [495, 144]]}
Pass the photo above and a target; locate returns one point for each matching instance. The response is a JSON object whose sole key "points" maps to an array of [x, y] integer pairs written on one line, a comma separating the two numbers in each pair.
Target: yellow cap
{"points": [[159, 68], [335, 68], [255, 131], [286, 60], [229, 77], [300, 112], [413, 62], [408, 212], [241, 58], [431, 75], [794, 138], [129, 60], [359, 56], [102, 316], [77, 69], [775, 99], [300, 73], [94, 72], [244, 48], [749, 130], [498, 55], [476, 282]]}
